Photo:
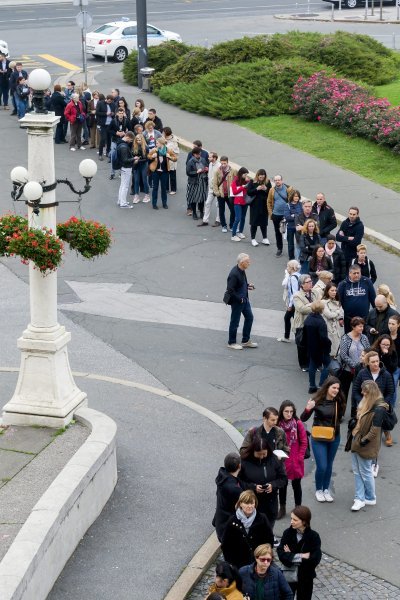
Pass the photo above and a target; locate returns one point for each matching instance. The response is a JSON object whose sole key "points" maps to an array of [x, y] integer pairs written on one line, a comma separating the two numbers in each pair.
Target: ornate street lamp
{"points": [[46, 393]]}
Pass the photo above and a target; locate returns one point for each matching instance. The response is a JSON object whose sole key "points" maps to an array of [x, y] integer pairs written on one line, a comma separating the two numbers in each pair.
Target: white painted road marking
{"points": [[112, 300]]}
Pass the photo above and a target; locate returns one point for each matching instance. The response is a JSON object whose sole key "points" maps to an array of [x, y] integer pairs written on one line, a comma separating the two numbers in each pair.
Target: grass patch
{"points": [[354, 154], [391, 91]]}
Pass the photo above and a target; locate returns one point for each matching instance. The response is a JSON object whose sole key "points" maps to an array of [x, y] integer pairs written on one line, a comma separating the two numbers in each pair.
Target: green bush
{"points": [[352, 55], [246, 90], [159, 57]]}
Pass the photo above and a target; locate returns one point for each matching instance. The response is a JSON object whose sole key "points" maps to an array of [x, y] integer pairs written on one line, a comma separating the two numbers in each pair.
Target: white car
{"points": [[120, 38], [4, 48]]}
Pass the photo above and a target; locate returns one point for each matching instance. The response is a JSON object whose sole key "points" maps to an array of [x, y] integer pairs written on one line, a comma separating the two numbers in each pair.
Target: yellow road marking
{"points": [[60, 62]]}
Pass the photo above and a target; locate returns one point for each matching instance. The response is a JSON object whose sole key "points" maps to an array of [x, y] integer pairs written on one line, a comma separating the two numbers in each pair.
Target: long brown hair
{"points": [[320, 395]]}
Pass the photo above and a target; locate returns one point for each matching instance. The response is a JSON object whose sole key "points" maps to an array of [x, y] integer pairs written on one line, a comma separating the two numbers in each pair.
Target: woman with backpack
{"points": [[365, 444], [296, 438], [290, 285]]}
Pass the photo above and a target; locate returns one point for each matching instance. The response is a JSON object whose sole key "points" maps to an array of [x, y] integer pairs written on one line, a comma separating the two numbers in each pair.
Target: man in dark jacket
{"points": [[356, 295], [237, 289], [300, 219], [337, 257], [155, 119], [318, 344], [5, 73], [326, 216], [118, 127], [350, 234], [17, 72], [57, 105], [125, 156], [229, 488], [377, 320], [374, 372]]}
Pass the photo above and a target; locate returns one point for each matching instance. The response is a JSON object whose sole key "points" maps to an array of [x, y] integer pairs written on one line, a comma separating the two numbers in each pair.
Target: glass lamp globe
{"points": [[88, 168], [19, 175], [33, 191], [39, 79]]}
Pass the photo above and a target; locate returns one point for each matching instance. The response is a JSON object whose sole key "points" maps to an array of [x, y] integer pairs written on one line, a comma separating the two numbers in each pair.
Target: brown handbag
{"points": [[323, 433]]}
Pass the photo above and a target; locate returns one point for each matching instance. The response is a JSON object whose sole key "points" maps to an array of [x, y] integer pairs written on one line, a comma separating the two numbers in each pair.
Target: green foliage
{"points": [[86, 237], [160, 57], [10, 225], [248, 90]]}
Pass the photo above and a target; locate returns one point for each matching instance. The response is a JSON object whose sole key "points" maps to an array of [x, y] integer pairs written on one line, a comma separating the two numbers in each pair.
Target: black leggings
{"points": [[278, 236], [297, 491], [289, 314], [304, 589], [253, 231]]}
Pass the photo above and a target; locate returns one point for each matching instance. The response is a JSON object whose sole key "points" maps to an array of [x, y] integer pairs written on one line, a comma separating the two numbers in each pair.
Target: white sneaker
{"points": [[82, 148], [358, 505], [136, 199], [235, 238], [241, 236], [266, 242], [224, 230], [72, 149], [249, 344], [320, 496], [283, 339], [375, 470], [370, 502], [328, 496], [254, 243], [235, 346], [146, 199]]}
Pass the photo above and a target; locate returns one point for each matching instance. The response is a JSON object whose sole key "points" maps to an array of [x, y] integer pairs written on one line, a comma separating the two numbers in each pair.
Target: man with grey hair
{"points": [[75, 115], [238, 297]]}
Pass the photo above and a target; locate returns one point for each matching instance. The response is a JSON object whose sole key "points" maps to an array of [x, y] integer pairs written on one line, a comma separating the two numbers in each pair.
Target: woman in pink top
{"points": [[239, 191]]}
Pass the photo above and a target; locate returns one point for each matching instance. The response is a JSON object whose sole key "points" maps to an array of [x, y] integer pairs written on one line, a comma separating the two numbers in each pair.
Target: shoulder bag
{"points": [[323, 433], [335, 367]]}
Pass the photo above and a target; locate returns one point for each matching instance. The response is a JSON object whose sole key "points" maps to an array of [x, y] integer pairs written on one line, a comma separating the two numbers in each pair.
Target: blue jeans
{"points": [[363, 478], [240, 217], [396, 377], [290, 242], [305, 268], [22, 105], [312, 369], [160, 177], [140, 175], [239, 309], [324, 454]]}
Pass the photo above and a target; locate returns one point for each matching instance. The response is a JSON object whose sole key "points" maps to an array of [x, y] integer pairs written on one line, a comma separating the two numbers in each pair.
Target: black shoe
{"points": [[85, 143], [112, 176], [312, 390], [202, 224], [165, 205], [279, 253], [155, 207], [14, 112], [195, 217]]}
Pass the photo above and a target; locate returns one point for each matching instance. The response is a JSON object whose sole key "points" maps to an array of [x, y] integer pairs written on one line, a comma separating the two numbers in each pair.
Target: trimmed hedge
{"points": [[246, 90], [160, 57], [351, 55]]}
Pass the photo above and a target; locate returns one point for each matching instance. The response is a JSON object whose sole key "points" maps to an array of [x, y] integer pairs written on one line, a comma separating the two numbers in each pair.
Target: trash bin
{"points": [[146, 74]]}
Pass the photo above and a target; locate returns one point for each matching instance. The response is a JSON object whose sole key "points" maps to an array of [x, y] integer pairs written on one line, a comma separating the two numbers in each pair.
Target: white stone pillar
{"points": [[46, 393]]}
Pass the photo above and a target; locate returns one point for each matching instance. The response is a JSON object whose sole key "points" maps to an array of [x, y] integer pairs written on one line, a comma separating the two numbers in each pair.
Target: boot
{"points": [[388, 438], [281, 512]]}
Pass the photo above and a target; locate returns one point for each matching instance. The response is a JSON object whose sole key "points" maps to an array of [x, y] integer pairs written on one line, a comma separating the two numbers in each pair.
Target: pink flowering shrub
{"points": [[349, 107]]}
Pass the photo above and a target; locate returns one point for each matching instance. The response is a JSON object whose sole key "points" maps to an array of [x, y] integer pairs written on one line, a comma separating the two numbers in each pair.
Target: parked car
{"points": [[120, 37], [4, 48], [359, 3]]}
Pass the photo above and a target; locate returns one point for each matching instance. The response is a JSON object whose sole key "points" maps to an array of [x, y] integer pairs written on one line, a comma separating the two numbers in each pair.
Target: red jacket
{"points": [[295, 463], [71, 111], [239, 192]]}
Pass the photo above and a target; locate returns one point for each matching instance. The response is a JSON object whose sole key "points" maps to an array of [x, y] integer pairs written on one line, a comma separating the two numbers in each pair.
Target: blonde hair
{"points": [[384, 290], [293, 265], [142, 144], [325, 275], [305, 226], [247, 497], [264, 549], [372, 396], [361, 247]]}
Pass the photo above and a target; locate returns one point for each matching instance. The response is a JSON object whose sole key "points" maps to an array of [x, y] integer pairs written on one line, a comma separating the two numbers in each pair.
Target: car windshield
{"points": [[106, 29]]}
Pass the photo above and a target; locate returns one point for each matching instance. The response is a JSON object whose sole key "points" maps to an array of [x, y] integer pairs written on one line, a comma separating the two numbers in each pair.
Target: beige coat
{"points": [[302, 307], [217, 187], [332, 313]]}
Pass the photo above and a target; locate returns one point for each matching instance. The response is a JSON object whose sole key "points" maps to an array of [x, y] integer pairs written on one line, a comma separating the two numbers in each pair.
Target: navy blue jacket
{"points": [[355, 230], [275, 585], [384, 381], [291, 211], [357, 297], [316, 332], [237, 285]]}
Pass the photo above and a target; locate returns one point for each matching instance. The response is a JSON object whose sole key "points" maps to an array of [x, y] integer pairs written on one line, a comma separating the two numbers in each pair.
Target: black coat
{"points": [[316, 335], [14, 78], [238, 546], [339, 265], [327, 219], [384, 381], [101, 112], [5, 77], [389, 360], [125, 154], [259, 472], [118, 125], [354, 230], [236, 284], [311, 542], [327, 266], [307, 245], [229, 489], [371, 322], [367, 268], [258, 207], [157, 123], [57, 104]]}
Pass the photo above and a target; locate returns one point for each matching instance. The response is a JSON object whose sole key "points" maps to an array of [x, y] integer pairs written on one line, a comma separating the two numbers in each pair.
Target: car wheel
{"points": [[120, 54], [350, 3]]}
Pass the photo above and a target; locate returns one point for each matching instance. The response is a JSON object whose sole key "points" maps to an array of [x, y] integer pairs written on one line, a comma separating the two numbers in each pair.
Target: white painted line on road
{"points": [[112, 300]]}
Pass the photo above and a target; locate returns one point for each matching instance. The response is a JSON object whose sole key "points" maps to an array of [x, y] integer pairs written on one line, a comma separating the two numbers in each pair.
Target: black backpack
{"points": [[116, 162], [389, 419]]}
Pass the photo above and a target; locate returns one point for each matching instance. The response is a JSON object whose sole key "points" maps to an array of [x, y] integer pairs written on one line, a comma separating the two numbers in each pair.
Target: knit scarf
{"points": [[162, 151], [247, 522], [329, 251], [291, 427]]}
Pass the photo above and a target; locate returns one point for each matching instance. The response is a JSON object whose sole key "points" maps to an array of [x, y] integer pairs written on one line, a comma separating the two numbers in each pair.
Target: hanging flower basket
{"points": [[40, 246], [10, 224], [88, 238]]}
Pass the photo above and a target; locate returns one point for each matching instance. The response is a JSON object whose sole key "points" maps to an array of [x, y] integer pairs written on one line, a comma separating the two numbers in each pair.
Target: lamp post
{"points": [[46, 393]]}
